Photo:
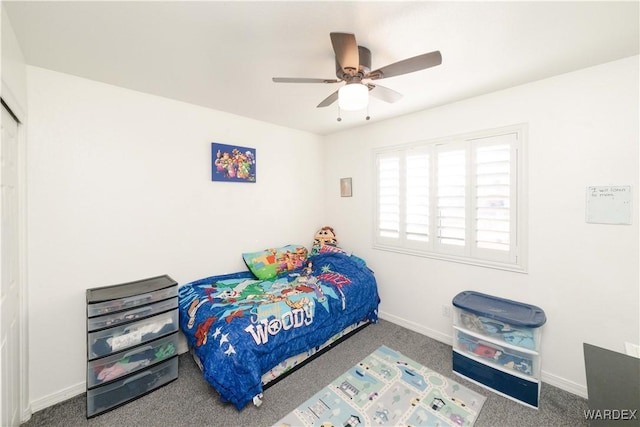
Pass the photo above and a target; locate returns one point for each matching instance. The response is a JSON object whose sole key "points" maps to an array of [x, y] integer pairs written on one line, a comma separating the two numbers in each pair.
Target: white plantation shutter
{"points": [[389, 196], [417, 196], [495, 190], [451, 197], [460, 200]]}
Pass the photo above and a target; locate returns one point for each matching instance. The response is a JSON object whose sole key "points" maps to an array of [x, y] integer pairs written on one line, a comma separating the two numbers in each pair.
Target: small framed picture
{"points": [[232, 163], [345, 187]]}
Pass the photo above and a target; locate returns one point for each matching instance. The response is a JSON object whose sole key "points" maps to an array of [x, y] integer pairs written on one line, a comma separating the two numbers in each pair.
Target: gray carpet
{"points": [[190, 401]]}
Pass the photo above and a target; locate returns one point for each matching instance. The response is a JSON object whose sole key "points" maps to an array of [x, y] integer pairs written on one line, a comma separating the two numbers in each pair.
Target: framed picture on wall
{"points": [[345, 187], [232, 163]]}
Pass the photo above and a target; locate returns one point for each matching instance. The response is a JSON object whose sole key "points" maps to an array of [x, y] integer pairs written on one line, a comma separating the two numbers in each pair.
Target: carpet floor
{"points": [[190, 401]]}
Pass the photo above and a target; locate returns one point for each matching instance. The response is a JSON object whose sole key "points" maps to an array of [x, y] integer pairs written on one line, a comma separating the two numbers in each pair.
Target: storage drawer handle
{"points": [[136, 351], [123, 316], [138, 297], [136, 377], [138, 310], [147, 322]]}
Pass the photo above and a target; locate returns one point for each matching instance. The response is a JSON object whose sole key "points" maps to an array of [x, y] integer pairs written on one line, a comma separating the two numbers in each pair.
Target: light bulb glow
{"points": [[353, 97]]}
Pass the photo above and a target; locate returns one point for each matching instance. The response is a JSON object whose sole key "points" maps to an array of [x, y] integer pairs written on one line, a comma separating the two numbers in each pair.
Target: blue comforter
{"points": [[240, 327]]}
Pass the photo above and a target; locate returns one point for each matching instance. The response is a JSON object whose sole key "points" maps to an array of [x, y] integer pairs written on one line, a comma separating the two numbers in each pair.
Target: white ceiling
{"points": [[223, 55]]}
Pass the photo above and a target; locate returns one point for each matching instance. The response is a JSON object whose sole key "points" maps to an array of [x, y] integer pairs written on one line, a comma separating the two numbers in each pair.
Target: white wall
{"points": [[14, 79], [120, 189], [583, 130]]}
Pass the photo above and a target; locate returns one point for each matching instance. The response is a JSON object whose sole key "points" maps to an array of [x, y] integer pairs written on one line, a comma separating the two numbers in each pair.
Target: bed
{"points": [[247, 328]]}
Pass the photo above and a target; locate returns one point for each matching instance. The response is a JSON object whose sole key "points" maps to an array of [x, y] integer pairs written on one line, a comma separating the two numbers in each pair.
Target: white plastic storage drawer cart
{"points": [[132, 341], [496, 344]]}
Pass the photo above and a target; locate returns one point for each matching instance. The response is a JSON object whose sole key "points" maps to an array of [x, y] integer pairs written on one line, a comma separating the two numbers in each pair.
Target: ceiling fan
{"points": [[353, 66]]}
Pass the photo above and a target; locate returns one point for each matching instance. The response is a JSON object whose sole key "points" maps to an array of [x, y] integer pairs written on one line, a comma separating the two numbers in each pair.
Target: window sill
{"points": [[516, 268]]}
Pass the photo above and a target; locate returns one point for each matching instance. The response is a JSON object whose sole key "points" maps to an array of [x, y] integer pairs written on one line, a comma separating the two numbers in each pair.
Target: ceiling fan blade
{"points": [[329, 100], [346, 50], [406, 66], [384, 93], [302, 80]]}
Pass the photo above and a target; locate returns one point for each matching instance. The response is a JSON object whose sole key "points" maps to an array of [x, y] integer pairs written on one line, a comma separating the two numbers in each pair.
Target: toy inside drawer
{"points": [[106, 369], [103, 398], [519, 336], [118, 338], [94, 323], [97, 309], [505, 357]]}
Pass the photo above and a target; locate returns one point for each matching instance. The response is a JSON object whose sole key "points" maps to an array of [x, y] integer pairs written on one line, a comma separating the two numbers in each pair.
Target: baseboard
{"points": [[58, 397], [564, 384], [547, 377], [416, 327]]}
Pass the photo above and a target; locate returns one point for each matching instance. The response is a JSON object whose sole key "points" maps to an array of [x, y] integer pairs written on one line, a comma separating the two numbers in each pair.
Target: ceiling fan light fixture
{"points": [[353, 97]]}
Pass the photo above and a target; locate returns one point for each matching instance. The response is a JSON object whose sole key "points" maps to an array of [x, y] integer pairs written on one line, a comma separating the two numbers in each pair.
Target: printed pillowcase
{"points": [[274, 261], [338, 250], [332, 249]]}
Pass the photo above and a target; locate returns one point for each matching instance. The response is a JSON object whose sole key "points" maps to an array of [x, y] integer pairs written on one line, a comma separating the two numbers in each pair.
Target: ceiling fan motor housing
{"points": [[348, 75]]}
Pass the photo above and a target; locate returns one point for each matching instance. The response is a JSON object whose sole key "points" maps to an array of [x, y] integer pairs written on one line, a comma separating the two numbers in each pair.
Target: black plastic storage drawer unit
{"points": [[132, 341], [496, 343]]}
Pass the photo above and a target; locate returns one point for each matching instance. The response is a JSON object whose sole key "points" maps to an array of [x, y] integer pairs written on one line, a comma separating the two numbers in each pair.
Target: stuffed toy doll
{"points": [[324, 237]]}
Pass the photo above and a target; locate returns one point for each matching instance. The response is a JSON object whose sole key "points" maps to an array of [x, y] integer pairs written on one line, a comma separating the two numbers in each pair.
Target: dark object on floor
{"points": [[613, 384]]}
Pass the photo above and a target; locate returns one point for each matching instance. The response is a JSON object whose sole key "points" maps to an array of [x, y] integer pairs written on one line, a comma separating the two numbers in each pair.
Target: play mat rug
{"points": [[389, 389]]}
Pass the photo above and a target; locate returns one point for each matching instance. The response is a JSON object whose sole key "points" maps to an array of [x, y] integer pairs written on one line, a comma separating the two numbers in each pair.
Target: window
{"points": [[460, 199]]}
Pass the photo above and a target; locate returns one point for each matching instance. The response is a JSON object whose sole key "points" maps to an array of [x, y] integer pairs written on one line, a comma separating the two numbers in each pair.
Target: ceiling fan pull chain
{"points": [[339, 114], [368, 116]]}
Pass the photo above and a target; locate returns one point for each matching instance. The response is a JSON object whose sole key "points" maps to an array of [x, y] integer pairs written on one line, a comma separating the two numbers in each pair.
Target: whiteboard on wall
{"points": [[609, 204]]}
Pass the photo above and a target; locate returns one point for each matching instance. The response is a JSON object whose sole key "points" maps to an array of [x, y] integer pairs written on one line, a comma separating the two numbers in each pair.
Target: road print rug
{"points": [[388, 389]]}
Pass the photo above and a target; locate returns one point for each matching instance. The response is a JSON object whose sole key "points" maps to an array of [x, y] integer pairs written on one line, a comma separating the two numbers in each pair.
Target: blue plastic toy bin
{"points": [[497, 344]]}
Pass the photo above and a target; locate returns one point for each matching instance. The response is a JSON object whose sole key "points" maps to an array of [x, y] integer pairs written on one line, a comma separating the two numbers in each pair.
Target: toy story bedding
{"points": [[240, 326]]}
